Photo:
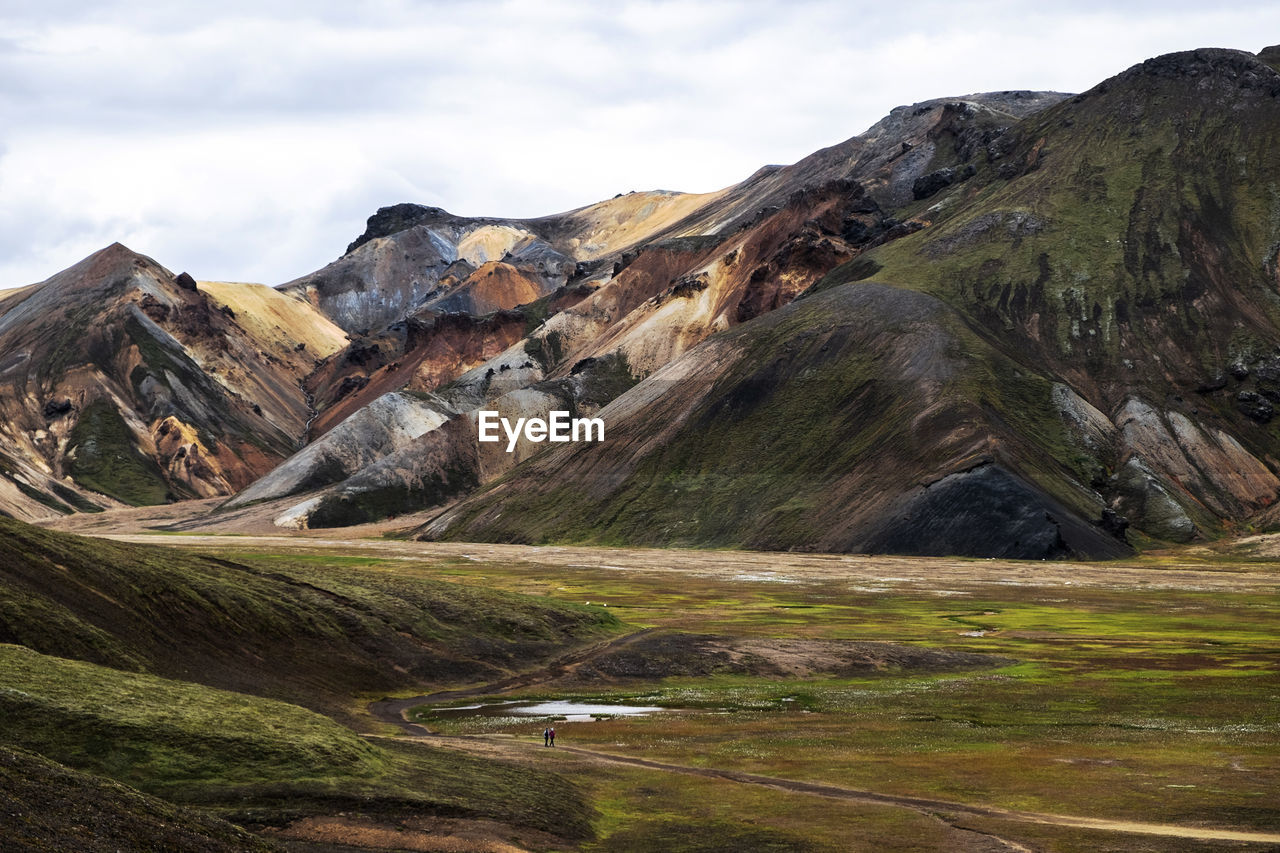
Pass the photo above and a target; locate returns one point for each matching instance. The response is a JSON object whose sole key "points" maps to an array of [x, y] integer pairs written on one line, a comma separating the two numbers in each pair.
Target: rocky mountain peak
{"points": [[1271, 56], [106, 266], [1239, 66], [396, 218]]}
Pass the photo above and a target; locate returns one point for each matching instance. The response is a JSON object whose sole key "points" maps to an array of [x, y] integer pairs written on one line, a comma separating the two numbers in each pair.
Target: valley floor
{"points": [[838, 702], [1181, 570]]}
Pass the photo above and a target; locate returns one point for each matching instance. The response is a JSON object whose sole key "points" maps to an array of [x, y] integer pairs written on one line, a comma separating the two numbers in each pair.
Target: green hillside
{"points": [[249, 758], [46, 806], [309, 635], [1126, 238], [848, 399]]}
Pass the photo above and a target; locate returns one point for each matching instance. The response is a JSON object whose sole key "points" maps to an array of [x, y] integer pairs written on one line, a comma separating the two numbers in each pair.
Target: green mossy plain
{"points": [[1120, 699]]}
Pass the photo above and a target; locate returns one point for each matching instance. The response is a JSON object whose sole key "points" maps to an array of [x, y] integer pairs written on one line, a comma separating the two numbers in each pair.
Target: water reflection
{"points": [[558, 709]]}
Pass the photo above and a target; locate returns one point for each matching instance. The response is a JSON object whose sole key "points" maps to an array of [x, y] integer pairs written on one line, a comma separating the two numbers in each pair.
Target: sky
{"points": [[248, 140]]}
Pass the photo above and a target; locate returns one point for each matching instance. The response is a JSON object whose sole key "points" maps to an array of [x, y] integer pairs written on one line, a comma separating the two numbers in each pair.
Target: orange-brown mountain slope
{"points": [[123, 383], [1096, 349], [679, 268]]}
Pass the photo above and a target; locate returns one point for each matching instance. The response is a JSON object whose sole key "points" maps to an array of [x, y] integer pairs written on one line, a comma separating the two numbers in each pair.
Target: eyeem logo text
{"points": [[558, 426]]}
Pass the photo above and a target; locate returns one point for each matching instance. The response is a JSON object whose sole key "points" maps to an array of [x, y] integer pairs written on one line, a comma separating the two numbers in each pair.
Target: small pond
{"points": [[559, 709]]}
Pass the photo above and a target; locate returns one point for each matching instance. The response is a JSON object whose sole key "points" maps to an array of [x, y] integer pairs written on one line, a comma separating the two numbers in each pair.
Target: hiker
{"points": [[552, 731], [546, 737]]}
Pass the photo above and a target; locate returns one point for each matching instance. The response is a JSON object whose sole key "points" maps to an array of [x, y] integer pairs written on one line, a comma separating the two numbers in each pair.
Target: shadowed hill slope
{"points": [[246, 758], [280, 633], [1127, 242], [836, 423], [50, 807]]}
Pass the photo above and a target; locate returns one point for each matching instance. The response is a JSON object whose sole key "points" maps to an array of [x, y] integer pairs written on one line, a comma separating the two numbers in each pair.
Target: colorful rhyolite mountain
{"points": [[1011, 324]]}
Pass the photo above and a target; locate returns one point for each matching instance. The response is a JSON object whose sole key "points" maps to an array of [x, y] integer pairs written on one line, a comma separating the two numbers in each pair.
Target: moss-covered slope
{"points": [[313, 638], [248, 758], [833, 424], [1126, 241], [1126, 237], [46, 806]]}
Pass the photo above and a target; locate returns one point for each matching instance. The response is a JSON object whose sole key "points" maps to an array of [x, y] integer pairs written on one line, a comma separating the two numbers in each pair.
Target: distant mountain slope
{"points": [[272, 317], [413, 259], [1100, 269], [835, 423], [120, 382], [736, 255], [388, 424], [1128, 242], [1107, 267], [407, 286]]}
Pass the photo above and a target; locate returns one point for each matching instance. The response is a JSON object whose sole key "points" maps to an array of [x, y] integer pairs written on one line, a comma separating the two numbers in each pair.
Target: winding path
{"points": [[393, 711], [923, 804]]}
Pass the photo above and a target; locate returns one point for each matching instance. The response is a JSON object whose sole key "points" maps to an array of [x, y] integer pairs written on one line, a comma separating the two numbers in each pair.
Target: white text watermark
{"points": [[557, 426]]}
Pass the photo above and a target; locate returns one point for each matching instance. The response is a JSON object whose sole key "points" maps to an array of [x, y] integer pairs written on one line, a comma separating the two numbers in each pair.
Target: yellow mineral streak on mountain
{"points": [[491, 243], [11, 297], [619, 223], [664, 327], [267, 314], [187, 460]]}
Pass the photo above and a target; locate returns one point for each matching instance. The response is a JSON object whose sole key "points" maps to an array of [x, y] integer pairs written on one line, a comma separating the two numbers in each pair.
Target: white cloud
{"points": [[250, 140]]}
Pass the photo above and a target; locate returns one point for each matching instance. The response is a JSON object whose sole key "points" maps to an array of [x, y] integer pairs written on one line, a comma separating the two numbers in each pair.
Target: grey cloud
{"points": [[486, 108]]}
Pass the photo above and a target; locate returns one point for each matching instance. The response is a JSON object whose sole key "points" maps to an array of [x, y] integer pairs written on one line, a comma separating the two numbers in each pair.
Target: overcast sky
{"points": [[249, 140]]}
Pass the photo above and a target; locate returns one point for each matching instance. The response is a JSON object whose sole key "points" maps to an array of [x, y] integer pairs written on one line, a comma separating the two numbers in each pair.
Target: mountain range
{"points": [[1018, 324]]}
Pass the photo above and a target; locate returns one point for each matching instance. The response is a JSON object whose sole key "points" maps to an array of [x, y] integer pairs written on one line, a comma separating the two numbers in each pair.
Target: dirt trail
{"points": [[495, 746], [393, 710]]}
